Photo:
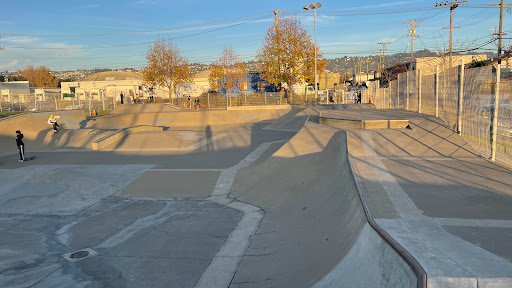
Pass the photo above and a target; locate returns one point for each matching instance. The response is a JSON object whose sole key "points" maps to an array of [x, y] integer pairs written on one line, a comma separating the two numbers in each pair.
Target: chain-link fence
{"points": [[463, 98]]}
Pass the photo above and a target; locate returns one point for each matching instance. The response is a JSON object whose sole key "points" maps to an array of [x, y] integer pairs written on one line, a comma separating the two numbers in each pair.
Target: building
{"points": [[109, 83], [427, 65], [329, 80], [15, 91]]}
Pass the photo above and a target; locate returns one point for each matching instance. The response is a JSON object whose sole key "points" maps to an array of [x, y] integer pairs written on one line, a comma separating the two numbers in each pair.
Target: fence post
{"points": [[398, 91], [436, 91], [245, 99], [265, 98], [495, 113], [418, 83], [407, 90], [461, 98], [208, 100]]}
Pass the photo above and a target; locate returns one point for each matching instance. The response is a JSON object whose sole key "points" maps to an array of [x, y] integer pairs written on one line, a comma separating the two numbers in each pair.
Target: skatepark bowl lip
{"points": [[416, 267]]}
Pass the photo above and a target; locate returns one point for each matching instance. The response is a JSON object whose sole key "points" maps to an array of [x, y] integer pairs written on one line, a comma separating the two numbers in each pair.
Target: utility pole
{"points": [[453, 5], [383, 52], [500, 33], [367, 68], [276, 15], [412, 35]]}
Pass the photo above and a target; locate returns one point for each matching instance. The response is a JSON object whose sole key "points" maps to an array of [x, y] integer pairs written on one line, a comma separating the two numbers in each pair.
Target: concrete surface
{"points": [[439, 199], [313, 220], [118, 135], [251, 199], [165, 184]]}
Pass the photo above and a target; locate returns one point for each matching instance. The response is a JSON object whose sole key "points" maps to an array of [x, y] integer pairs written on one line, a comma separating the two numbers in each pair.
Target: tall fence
{"points": [[464, 98]]}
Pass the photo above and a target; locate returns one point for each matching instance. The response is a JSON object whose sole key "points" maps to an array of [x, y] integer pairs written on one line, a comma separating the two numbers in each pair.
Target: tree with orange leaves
{"points": [[166, 67], [39, 76], [227, 72], [288, 55]]}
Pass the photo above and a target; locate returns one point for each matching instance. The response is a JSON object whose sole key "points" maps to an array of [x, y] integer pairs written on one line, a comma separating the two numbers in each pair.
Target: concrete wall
{"points": [[427, 65]]}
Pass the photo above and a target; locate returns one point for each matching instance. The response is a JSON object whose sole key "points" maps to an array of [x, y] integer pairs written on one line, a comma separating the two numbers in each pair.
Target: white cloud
{"points": [[24, 51], [8, 65], [19, 40]]}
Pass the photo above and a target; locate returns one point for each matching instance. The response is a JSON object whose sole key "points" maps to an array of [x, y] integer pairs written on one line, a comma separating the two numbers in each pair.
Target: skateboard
{"points": [[30, 158]]}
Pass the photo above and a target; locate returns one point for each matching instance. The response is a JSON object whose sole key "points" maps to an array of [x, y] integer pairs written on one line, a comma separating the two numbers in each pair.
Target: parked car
{"points": [[504, 117], [41, 106], [14, 107]]}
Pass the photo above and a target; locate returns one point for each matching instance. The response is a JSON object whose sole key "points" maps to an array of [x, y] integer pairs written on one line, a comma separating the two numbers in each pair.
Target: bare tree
{"points": [[39, 76], [287, 55], [166, 67], [227, 72]]}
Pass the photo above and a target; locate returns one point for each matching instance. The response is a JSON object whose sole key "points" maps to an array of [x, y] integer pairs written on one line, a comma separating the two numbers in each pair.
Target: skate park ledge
{"points": [[346, 123], [116, 136]]}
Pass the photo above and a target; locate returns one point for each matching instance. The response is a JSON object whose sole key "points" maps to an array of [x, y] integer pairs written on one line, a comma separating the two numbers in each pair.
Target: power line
{"points": [[133, 44], [159, 31]]}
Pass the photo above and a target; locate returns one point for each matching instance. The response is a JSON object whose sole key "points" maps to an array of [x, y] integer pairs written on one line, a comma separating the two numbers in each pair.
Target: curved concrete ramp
{"points": [[37, 131], [144, 108], [315, 230], [184, 118], [31, 124]]}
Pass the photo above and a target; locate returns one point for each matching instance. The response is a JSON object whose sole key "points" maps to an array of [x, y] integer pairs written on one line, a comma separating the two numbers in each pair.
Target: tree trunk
{"points": [[170, 93], [229, 96]]}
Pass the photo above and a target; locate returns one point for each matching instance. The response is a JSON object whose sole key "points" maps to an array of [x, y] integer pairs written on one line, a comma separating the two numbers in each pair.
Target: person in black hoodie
{"points": [[21, 145]]}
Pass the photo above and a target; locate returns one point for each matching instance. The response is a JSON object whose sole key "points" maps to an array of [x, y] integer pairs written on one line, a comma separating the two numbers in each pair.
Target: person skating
{"points": [[21, 145], [53, 121]]}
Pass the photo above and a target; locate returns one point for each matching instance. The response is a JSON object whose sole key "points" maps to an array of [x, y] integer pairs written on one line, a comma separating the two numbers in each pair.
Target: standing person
{"points": [[21, 145], [136, 99], [359, 96], [197, 103], [122, 98], [53, 121], [189, 105]]}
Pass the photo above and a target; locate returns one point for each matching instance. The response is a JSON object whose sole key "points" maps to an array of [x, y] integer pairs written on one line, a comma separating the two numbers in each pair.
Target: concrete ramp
{"points": [[31, 124], [38, 133], [144, 108], [315, 230], [185, 118]]}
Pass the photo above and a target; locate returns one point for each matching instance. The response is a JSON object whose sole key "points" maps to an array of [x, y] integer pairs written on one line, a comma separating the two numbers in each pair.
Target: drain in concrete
{"points": [[80, 255]]}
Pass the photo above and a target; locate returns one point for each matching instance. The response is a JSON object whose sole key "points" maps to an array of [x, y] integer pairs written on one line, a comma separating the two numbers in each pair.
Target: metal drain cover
{"points": [[80, 255]]}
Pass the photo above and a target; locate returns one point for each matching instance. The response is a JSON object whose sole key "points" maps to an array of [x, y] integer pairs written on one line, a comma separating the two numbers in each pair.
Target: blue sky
{"points": [[73, 34]]}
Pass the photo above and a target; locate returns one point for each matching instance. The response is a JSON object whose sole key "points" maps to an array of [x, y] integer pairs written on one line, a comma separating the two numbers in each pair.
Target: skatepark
{"points": [[276, 196]]}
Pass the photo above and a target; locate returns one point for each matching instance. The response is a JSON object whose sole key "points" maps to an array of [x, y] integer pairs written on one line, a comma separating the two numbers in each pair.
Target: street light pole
{"points": [[314, 7], [316, 74]]}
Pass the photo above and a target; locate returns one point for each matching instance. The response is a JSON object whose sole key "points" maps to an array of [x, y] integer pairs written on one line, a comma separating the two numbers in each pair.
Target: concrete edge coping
{"points": [[120, 134], [14, 115], [260, 107], [370, 124], [416, 267]]}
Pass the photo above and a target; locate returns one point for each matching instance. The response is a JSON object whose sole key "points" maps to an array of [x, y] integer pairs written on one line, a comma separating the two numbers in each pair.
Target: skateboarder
{"points": [[53, 121], [21, 145]]}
